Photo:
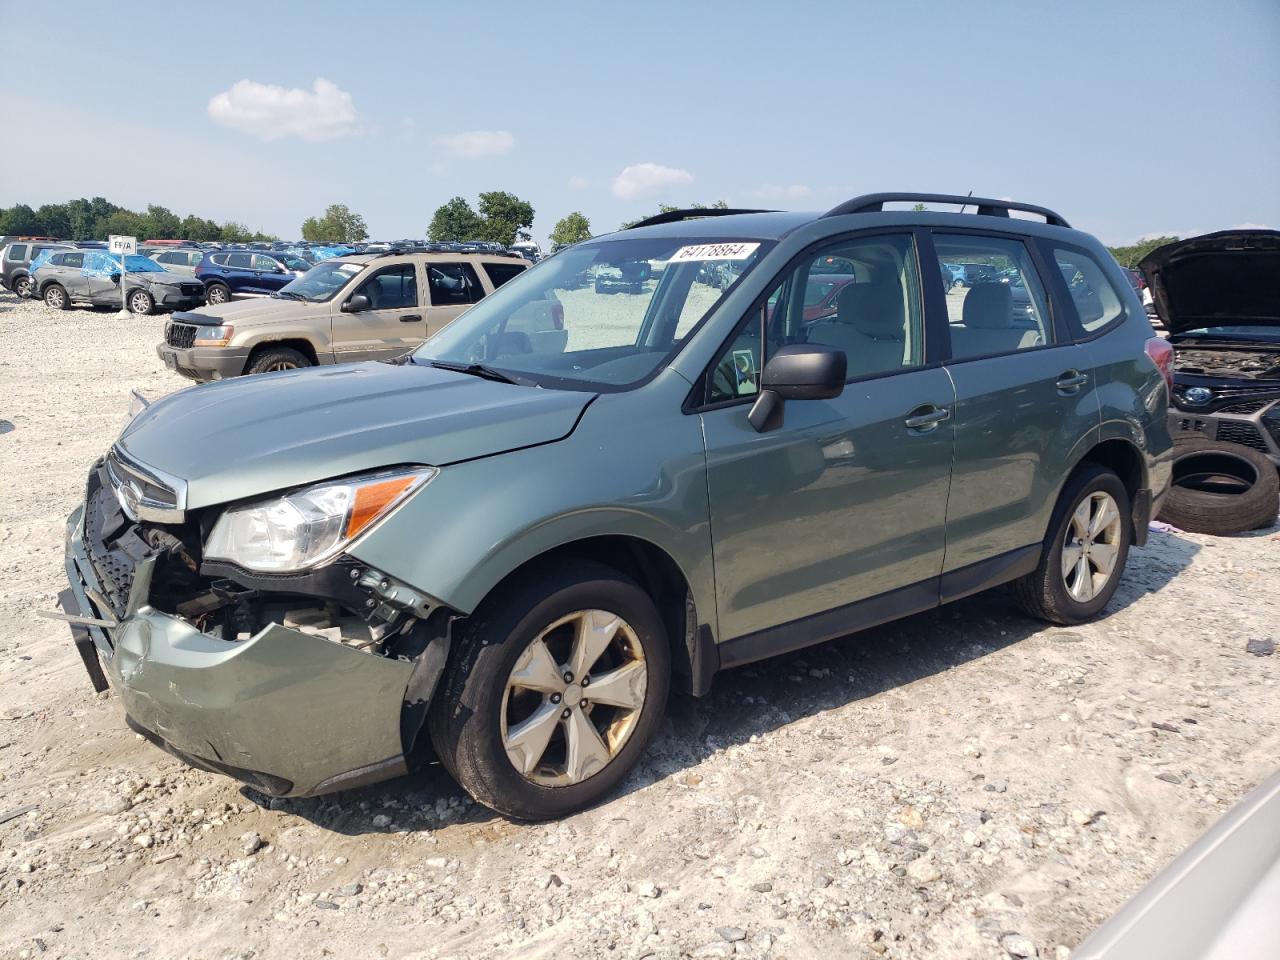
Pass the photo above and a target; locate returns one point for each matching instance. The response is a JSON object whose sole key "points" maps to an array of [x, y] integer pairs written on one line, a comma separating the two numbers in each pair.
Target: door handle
{"points": [[1071, 381], [927, 418], [411, 318]]}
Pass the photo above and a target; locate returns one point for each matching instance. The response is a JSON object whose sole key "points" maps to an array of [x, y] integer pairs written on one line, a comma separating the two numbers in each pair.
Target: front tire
{"points": [[56, 298], [140, 302], [218, 293], [1084, 552], [273, 359], [558, 684], [21, 286]]}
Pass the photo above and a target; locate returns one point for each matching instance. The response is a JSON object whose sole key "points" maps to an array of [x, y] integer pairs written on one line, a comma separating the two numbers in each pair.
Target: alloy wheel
{"points": [[279, 365], [216, 295], [1091, 546], [54, 298], [138, 303], [573, 698]]}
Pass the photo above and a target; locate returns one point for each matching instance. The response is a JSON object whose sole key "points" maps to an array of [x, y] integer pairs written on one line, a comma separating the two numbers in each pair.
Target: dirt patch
{"points": [[960, 784]]}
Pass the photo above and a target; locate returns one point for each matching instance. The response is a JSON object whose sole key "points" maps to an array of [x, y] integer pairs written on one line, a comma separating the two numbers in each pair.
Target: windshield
{"points": [[321, 282], [601, 316], [1256, 333]]}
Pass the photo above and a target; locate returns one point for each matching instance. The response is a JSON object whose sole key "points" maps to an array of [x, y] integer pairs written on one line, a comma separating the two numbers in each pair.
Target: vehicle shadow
{"points": [[757, 699]]}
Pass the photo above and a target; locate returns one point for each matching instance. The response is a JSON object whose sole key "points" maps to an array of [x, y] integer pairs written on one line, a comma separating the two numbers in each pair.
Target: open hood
{"points": [[1224, 279], [255, 435]]}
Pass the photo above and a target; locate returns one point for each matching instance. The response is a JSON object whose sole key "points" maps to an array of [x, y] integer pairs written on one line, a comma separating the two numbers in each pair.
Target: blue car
{"points": [[247, 273]]}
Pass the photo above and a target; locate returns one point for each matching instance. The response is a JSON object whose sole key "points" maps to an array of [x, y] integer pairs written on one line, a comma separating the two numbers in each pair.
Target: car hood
{"points": [[1225, 279], [255, 435], [249, 311]]}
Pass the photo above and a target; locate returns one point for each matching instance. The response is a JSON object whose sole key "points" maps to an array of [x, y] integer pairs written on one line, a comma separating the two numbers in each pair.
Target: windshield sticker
{"points": [[714, 251]]}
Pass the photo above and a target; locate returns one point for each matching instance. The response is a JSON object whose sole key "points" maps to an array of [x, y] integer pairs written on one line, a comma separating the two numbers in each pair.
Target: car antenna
{"points": [[963, 205]]}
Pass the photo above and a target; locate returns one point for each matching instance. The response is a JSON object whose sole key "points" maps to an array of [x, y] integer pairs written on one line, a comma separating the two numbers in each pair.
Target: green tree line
{"points": [[98, 218], [1130, 255]]}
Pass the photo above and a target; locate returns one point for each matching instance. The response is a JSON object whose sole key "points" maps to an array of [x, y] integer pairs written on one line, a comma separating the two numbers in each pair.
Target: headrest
{"points": [[873, 309], [988, 306]]}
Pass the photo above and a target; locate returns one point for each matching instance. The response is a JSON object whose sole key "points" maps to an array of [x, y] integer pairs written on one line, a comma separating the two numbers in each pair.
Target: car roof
{"points": [[710, 224], [432, 255]]}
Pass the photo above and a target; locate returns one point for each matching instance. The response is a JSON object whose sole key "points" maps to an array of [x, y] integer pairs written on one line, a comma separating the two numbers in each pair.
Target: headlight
{"points": [[307, 527], [213, 336]]}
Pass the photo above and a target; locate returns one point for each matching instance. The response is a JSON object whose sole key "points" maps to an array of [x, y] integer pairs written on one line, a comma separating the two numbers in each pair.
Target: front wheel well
{"points": [[304, 347], [662, 579]]}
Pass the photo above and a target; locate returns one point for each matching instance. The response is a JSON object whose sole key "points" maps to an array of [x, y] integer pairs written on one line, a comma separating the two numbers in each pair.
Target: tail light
{"points": [[557, 315], [1161, 353]]}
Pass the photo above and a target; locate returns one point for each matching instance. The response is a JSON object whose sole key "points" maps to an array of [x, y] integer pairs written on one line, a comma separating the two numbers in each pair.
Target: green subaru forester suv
{"points": [[690, 445]]}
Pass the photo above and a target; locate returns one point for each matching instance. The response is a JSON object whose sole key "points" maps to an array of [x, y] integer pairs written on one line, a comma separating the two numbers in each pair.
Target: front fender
{"points": [[631, 468]]}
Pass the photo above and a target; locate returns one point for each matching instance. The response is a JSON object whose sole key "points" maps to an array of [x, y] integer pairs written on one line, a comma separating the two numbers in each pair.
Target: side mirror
{"points": [[357, 304], [802, 371]]}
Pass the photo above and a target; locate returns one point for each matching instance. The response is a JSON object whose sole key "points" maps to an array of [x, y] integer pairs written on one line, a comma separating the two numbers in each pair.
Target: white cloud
{"points": [[790, 192], [579, 183], [476, 143], [642, 178], [269, 112]]}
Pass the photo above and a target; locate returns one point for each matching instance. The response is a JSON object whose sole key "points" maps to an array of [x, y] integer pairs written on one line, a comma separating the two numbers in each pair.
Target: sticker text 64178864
{"points": [[714, 251]]}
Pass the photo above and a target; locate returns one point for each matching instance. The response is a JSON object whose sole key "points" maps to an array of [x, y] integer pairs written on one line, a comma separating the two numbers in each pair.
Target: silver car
{"points": [[172, 260], [93, 278]]}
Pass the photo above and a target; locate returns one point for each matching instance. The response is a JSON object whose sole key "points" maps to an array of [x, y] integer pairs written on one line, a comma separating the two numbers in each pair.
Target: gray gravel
{"points": [[965, 783]]}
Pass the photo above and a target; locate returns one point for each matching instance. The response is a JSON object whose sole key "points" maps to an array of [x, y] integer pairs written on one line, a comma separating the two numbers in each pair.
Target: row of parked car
{"points": [[176, 276]]}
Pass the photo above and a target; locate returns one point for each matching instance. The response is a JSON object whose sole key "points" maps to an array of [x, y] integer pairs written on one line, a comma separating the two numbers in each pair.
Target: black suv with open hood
{"points": [[1219, 297]]}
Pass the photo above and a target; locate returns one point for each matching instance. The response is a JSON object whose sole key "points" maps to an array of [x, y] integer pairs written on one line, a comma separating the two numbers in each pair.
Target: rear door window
{"points": [[453, 283], [1096, 301], [1001, 305], [500, 273], [239, 261]]}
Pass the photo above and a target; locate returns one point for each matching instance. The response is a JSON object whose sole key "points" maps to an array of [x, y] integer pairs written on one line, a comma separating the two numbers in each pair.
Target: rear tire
{"points": [[273, 359], [1079, 571], [493, 700], [56, 297], [1220, 488], [218, 293], [140, 302]]}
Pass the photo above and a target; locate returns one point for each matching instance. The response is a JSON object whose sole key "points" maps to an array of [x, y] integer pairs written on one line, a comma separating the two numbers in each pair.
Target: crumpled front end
{"points": [[298, 686]]}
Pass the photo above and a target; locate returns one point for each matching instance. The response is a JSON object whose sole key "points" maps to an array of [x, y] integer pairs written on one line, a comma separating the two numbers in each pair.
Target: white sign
{"points": [[714, 251], [125, 245]]}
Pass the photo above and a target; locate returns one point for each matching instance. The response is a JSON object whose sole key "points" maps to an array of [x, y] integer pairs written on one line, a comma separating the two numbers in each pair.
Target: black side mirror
{"points": [[356, 304], [802, 371]]}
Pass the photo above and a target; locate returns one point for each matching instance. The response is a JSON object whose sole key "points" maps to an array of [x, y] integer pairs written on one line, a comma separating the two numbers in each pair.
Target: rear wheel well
{"points": [[661, 578], [304, 347], [1123, 458], [1126, 461]]}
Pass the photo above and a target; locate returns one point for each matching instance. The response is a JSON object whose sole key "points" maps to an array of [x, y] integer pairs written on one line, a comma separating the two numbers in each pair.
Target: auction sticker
{"points": [[714, 251]]}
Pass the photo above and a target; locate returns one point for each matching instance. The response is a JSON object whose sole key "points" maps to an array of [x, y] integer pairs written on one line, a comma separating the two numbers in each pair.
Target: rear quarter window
{"points": [[500, 273], [17, 251], [1098, 303]]}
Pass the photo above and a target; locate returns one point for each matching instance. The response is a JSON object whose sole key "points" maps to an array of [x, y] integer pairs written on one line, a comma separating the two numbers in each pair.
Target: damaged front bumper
{"points": [[287, 711]]}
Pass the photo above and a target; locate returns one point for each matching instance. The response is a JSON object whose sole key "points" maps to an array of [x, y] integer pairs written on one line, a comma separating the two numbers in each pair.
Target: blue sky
{"points": [[1128, 118]]}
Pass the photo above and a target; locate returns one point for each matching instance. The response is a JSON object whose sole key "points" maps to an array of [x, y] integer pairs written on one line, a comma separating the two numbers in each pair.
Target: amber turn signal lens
{"points": [[373, 498]]}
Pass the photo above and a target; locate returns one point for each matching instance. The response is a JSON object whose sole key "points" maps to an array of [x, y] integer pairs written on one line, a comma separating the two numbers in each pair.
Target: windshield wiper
{"points": [[479, 370], [288, 295]]}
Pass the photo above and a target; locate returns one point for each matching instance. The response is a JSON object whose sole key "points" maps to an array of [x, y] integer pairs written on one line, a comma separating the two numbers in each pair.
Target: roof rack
{"points": [[692, 213], [874, 203]]}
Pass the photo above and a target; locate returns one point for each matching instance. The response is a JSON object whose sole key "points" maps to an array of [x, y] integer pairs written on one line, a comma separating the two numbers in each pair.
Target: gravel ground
{"points": [[965, 783]]}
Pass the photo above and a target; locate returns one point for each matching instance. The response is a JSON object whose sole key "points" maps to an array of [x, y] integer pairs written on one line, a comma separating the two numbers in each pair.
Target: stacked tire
{"points": [[1220, 488]]}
